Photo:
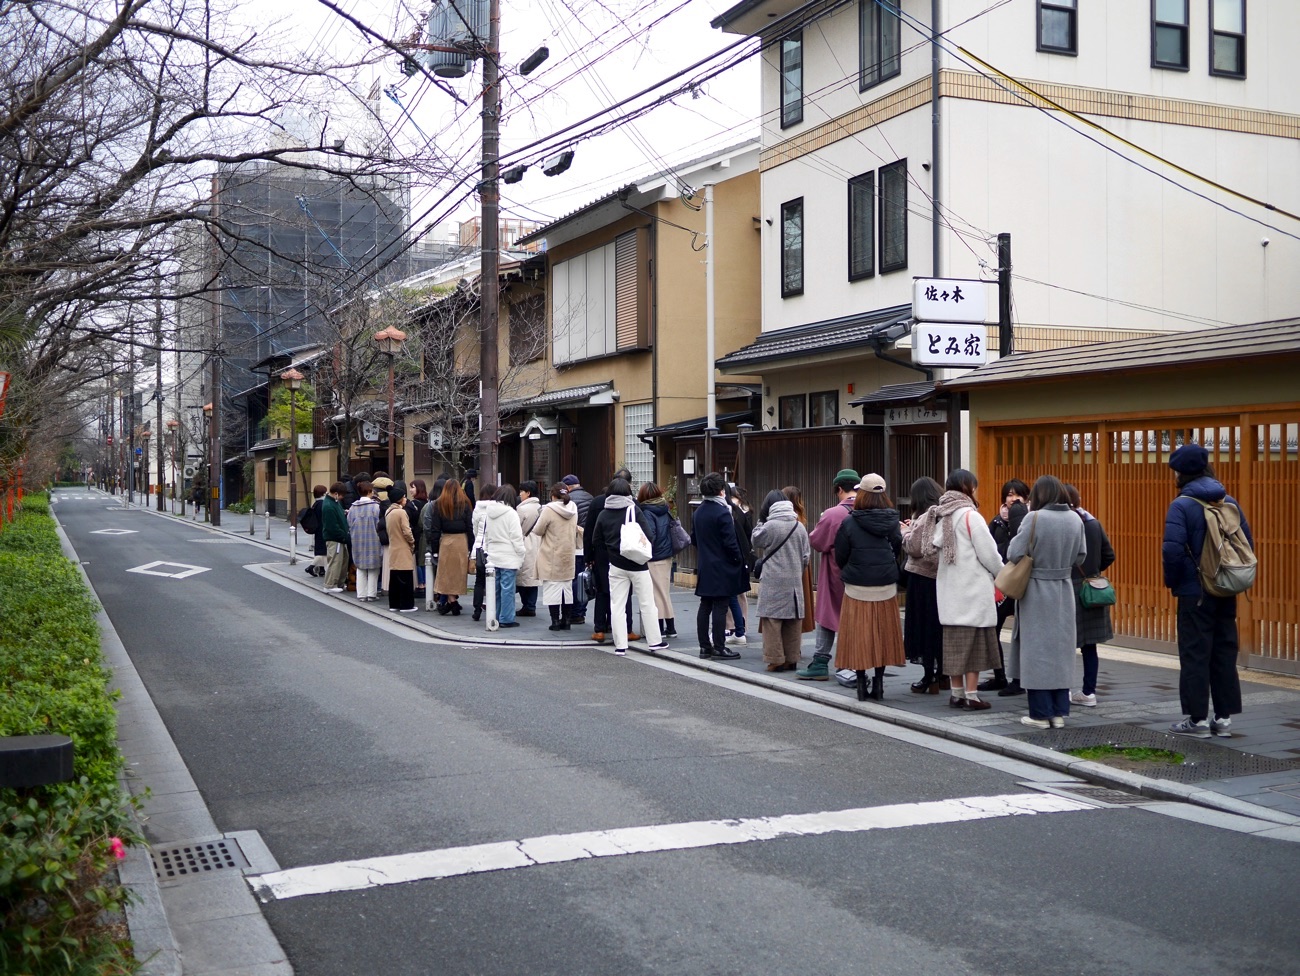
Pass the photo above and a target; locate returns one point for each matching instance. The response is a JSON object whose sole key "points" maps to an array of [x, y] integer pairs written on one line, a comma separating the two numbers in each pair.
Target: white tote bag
{"points": [[632, 543]]}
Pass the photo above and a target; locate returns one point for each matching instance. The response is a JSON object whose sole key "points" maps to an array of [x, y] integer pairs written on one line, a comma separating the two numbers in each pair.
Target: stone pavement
{"points": [[1137, 701]]}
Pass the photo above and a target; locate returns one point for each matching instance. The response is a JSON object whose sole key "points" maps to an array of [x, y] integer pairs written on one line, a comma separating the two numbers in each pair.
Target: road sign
{"points": [[950, 299], [948, 345], [139, 452]]}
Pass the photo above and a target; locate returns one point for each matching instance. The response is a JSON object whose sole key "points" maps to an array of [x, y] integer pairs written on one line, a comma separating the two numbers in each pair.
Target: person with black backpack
{"points": [[1207, 623]]}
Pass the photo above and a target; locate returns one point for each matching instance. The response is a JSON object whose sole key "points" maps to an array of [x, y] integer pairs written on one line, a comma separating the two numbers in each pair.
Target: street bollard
{"points": [[490, 597], [251, 516], [268, 521], [293, 545], [428, 579]]}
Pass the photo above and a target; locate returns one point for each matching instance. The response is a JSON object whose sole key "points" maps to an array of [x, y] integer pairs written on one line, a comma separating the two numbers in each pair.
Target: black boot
{"points": [[878, 685], [670, 627], [864, 686], [555, 619]]}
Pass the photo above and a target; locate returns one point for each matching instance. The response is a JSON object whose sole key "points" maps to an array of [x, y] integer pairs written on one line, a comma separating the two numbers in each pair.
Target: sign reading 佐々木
{"points": [[948, 345], [949, 300]]}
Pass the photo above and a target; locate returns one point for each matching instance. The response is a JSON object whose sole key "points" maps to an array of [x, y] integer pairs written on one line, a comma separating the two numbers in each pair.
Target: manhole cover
{"points": [[1202, 759], [179, 861], [1101, 794]]}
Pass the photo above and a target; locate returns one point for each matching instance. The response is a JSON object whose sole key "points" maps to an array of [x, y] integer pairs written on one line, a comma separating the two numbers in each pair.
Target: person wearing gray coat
{"points": [[1042, 643], [786, 551]]}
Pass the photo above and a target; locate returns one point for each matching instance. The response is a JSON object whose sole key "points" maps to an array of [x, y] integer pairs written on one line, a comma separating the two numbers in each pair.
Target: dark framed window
{"points": [[893, 216], [862, 226], [792, 79], [793, 411], [1169, 34], [824, 408], [792, 248], [878, 44], [1058, 26], [1228, 38]]}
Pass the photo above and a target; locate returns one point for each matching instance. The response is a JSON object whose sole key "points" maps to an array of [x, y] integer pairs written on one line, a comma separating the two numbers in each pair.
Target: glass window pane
{"points": [[1230, 16], [1171, 12], [1169, 46], [893, 216], [889, 34], [792, 248], [791, 80], [862, 200], [1056, 29], [1227, 55], [869, 42]]}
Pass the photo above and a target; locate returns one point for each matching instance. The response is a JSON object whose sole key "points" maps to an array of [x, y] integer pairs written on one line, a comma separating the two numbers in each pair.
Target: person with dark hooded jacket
{"points": [[1207, 625], [866, 550], [626, 576]]}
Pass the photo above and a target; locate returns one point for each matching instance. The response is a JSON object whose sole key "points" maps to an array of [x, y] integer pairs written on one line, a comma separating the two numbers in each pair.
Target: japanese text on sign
{"points": [[949, 300], [948, 345]]}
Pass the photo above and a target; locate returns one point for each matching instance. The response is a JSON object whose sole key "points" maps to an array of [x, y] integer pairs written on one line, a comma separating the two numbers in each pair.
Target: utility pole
{"points": [[1005, 335], [214, 427], [158, 396], [490, 191]]}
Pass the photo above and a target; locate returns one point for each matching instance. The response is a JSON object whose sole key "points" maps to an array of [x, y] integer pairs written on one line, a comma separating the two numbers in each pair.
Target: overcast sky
{"points": [[600, 52]]}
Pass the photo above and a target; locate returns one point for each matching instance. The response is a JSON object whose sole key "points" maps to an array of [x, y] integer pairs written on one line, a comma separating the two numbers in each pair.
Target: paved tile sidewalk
{"points": [[1135, 688]]}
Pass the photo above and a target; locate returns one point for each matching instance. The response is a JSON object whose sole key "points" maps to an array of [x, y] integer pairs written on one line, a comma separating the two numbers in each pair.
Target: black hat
{"points": [[1190, 459]]}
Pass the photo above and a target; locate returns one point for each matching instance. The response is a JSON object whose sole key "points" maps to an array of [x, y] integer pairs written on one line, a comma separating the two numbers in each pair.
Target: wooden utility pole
{"points": [[1006, 336], [489, 193]]}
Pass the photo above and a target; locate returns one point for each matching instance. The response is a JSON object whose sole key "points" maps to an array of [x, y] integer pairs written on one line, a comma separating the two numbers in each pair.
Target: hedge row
{"points": [[60, 906]]}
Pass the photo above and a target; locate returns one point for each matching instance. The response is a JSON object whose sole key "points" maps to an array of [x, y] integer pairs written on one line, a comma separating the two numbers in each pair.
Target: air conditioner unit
{"points": [[190, 470]]}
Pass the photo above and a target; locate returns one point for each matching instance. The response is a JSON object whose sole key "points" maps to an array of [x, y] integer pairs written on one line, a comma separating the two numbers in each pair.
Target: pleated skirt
{"points": [[870, 636]]}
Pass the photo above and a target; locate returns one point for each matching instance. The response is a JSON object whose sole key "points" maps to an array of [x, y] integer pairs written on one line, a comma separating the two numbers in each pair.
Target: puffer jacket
{"points": [[529, 510], [560, 539], [867, 546], [1185, 534], [661, 521], [503, 539]]}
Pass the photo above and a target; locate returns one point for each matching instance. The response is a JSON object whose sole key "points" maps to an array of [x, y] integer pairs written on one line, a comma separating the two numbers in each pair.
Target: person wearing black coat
{"points": [[866, 550], [1092, 625], [627, 577], [582, 500], [317, 567], [720, 571], [738, 605], [595, 557], [1004, 526]]}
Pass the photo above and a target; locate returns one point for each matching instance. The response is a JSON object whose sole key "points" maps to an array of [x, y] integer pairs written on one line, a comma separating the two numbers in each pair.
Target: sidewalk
{"points": [[1256, 772]]}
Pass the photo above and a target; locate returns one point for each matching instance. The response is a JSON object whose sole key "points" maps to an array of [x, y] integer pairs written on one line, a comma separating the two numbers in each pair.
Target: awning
{"points": [[883, 326], [592, 395], [897, 395], [697, 425], [269, 443]]}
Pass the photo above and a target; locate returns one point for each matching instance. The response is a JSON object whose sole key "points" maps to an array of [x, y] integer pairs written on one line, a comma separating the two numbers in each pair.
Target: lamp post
{"points": [[390, 344], [212, 464], [292, 379], [145, 483]]}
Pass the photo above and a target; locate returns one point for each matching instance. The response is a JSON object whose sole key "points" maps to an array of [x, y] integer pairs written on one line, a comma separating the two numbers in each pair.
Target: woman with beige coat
{"points": [[559, 537], [401, 557]]}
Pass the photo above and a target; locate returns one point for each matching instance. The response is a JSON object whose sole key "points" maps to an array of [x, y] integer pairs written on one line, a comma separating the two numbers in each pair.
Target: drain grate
{"points": [[1101, 794], [201, 857]]}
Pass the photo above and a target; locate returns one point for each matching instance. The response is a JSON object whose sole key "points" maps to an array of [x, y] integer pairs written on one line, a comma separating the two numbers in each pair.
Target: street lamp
{"points": [[292, 379], [390, 344]]}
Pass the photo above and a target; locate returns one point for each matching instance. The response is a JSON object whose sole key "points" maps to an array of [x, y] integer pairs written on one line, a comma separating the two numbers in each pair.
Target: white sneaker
{"points": [[1037, 723], [1222, 727], [737, 639], [333, 589], [1079, 698], [1057, 722]]}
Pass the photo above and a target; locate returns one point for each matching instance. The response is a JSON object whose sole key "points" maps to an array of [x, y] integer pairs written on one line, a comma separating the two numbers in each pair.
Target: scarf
{"points": [[950, 502]]}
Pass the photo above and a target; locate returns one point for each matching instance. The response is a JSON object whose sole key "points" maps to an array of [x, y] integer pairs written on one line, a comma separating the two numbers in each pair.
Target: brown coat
{"points": [[401, 541], [560, 535]]}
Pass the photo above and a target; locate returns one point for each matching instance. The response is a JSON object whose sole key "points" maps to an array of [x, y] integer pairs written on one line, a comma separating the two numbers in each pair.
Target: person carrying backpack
{"points": [[1205, 515]]}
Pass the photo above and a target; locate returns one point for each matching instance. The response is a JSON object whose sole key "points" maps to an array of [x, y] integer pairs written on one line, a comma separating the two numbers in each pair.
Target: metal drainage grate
{"points": [[200, 857], [1101, 794]]}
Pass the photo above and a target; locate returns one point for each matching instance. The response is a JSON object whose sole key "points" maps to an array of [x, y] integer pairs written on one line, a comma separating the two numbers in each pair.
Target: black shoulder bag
{"points": [[758, 564]]}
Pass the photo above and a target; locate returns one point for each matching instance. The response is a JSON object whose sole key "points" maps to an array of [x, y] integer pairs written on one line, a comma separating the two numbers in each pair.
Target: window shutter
{"points": [[625, 291]]}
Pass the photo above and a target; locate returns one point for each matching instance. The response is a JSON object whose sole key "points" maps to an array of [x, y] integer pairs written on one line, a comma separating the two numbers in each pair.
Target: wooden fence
{"points": [[1120, 467]]}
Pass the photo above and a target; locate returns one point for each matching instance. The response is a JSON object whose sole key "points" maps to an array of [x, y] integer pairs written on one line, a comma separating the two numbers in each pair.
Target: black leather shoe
{"points": [[478, 613], [706, 652], [725, 654], [1012, 688], [995, 683]]}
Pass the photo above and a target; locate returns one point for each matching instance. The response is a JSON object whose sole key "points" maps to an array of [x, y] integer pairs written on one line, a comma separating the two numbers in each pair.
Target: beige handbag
{"points": [[1013, 578]]}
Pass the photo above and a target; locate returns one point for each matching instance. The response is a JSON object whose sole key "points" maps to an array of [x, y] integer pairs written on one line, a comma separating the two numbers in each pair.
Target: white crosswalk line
{"points": [[455, 861]]}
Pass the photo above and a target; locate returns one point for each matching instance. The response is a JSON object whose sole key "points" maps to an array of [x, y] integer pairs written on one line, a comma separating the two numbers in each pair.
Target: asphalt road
{"points": [[338, 738]]}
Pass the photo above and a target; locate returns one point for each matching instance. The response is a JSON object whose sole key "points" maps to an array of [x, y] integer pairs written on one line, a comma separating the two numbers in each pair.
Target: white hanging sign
{"points": [[948, 345], [950, 300]]}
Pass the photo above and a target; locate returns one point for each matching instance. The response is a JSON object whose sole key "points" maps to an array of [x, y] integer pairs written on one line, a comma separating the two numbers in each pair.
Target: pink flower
{"points": [[117, 847]]}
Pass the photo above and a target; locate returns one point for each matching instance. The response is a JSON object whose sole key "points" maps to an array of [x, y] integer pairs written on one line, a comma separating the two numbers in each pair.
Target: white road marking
{"points": [[115, 532], [155, 568], [454, 861]]}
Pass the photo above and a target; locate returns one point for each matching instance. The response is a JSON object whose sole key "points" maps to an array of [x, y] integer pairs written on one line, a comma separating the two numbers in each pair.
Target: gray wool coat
{"points": [[780, 591], [1042, 643]]}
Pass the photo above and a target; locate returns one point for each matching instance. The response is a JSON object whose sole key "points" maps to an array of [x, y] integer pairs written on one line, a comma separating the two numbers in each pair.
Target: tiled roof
{"points": [[1179, 349], [696, 424], [846, 332], [556, 398], [896, 394]]}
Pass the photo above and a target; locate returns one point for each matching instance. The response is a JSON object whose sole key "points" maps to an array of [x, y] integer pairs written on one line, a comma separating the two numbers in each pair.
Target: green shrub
{"points": [[56, 842]]}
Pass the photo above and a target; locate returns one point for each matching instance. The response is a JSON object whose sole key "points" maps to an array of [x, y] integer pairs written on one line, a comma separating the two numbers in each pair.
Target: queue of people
{"points": [[573, 547]]}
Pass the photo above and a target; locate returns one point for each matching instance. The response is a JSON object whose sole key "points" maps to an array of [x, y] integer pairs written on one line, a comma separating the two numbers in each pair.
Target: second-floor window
{"points": [[792, 248], [1058, 27], [1169, 34], [862, 226], [878, 35], [893, 216], [792, 79], [1228, 38], [594, 308]]}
